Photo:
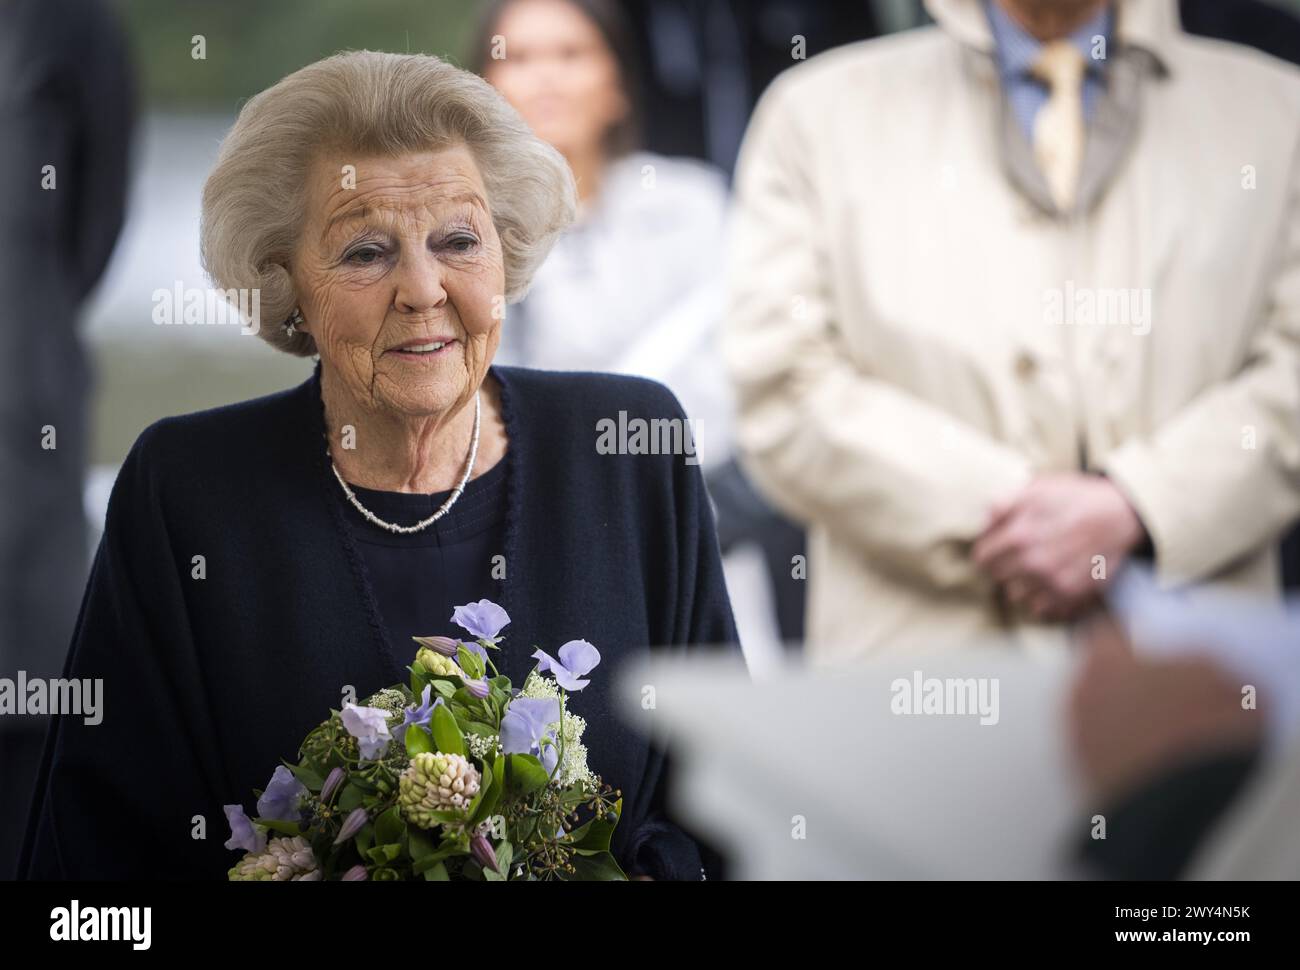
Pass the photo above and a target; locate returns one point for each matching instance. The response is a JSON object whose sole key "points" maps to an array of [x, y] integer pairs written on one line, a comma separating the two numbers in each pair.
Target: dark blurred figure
{"points": [[707, 61], [1264, 26], [704, 64], [65, 124]]}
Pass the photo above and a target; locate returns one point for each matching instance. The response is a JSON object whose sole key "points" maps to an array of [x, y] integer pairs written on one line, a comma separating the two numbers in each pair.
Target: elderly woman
{"points": [[266, 561]]}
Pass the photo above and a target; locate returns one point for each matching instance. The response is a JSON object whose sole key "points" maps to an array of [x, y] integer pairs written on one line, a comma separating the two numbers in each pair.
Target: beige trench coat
{"points": [[912, 337]]}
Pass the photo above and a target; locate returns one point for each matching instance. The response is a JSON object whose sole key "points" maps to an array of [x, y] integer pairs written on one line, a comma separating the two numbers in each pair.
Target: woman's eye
{"points": [[462, 243], [364, 256]]}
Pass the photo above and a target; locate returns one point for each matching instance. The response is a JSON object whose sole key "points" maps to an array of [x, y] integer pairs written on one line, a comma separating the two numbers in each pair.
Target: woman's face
{"points": [[406, 259], [559, 74]]}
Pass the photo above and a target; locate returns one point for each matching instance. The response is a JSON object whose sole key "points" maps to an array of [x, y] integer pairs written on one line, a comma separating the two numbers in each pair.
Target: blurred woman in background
{"points": [[636, 286]]}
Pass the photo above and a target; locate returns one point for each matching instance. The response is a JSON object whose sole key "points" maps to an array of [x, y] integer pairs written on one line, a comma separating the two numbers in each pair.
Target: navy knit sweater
{"points": [[209, 682]]}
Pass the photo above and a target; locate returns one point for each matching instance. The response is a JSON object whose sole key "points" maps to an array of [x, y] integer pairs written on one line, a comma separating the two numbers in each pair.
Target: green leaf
{"points": [[443, 852], [384, 854], [389, 826], [437, 873], [489, 794], [446, 733], [525, 830], [350, 798], [595, 835], [279, 825], [307, 776], [597, 868], [479, 728], [470, 662], [421, 846], [505, 855], [485, 784], [444, 687], [524, 774], [418, 741]]}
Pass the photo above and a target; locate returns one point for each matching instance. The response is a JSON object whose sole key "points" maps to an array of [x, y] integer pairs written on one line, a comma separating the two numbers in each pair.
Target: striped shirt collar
{"points": [[1018, 50]]}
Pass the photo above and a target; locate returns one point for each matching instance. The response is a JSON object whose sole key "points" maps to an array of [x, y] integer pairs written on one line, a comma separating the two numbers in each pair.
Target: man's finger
{"points": [[995, 543]]}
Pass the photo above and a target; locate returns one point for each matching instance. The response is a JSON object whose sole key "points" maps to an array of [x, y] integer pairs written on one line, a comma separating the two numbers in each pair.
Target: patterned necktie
{"points": [[1058, 129]]}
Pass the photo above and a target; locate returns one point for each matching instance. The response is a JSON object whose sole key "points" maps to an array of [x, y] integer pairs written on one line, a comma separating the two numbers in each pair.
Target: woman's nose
{"points": [[420, 283]]}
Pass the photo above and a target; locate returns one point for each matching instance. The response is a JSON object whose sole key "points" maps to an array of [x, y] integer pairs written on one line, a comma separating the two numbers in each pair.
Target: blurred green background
{"points": [[251, 44]]}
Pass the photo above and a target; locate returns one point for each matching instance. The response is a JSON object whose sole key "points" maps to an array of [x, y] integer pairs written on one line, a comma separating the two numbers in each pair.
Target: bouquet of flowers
{"points": [[457, 776]]}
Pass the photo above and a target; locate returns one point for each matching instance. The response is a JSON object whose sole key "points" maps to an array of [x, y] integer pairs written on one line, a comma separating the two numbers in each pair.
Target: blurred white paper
{"points": [[816, 774], [811, 775]]}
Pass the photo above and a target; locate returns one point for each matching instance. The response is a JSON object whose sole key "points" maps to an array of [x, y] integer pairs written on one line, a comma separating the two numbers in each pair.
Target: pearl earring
{"points": [[294, 322]]}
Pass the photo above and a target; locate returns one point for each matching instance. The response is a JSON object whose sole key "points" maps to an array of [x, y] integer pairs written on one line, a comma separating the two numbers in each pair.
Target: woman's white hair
{"points": [[374, 103]]}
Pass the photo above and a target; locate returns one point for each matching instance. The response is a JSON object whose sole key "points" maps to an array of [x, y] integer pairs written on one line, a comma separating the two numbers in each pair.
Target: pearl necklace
{"points": [[451, 499]]}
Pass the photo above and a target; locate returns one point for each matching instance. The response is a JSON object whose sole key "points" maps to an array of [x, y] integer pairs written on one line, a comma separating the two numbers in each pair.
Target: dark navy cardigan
{"points": [[209, 682]]}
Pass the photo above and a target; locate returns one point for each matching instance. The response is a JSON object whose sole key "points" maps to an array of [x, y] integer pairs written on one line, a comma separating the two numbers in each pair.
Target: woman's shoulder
{"points": [[553, 394], [579, 418], [224, 436]]}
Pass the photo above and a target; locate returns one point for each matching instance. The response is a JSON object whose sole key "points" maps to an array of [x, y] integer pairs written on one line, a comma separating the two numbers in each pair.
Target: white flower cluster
{"points": [[387, 699], [482, 746], [573, 768]]}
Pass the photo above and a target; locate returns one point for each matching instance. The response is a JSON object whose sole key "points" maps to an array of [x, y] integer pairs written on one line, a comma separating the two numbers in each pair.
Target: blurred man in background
{"points": [[65, 126], [1017, 298]]}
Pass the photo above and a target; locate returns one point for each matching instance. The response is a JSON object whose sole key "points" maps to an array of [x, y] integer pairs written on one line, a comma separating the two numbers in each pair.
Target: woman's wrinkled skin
{"points": [[408, 255]]}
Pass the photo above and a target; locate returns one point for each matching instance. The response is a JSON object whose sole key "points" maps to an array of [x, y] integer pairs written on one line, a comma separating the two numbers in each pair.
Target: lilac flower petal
{"points": [[369, 725], [549, 755], [580, 657], [516, 734], [421, 715], [479, 688], [356, 874], [540, 713], [282, 797], [526, 722], [565, 677], [483, 619], [243, 834]]}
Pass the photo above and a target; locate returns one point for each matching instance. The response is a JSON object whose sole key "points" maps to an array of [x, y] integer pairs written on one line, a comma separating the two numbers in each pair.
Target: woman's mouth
{"points": [[423, 351]]}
